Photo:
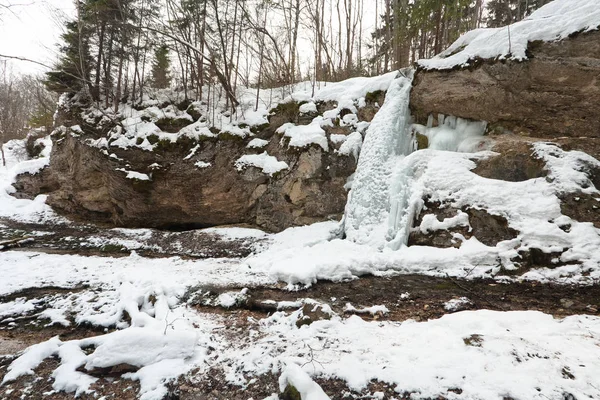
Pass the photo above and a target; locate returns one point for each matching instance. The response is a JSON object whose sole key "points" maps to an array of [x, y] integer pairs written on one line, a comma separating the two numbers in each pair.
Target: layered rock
{"points": [[554, 93], [201, 181], [551, 97]]}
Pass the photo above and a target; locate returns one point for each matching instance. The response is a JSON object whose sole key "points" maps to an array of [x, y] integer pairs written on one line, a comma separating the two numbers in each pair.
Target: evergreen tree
{"points": [[161, 78], [424, 28], [72, 72], [506, 12]]}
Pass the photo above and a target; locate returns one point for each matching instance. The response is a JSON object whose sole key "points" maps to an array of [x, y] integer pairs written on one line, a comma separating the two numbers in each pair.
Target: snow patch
{"points": [[268, 164]]}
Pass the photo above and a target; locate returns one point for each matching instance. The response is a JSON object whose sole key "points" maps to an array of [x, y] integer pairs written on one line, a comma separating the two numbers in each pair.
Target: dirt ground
{"points": [[414, 297], [406, 296]]}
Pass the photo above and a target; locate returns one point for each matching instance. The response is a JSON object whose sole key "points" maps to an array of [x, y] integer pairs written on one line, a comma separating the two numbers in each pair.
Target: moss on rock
{"points": [[291, 393]]}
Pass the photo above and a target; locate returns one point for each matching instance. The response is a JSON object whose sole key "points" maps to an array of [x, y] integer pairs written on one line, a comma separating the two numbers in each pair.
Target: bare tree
{"points": [[13, 108]]}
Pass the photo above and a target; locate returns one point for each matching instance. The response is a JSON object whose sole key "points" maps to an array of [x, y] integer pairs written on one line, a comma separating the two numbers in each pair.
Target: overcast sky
{"points": [[33, 31], [35, 27]]}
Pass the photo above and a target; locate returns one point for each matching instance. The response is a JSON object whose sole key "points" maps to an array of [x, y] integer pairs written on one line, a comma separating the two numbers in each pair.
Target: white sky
{"points": [[35, 30], [32, 31]]}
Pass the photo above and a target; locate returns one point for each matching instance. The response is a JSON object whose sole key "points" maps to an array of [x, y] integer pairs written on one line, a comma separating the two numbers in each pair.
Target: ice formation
{"points": [[385, 196], [454, 134], [386, 142]]}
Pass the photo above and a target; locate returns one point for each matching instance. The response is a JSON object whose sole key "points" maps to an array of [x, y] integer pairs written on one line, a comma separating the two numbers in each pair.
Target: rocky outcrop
{"points": [[552, 96], [554, 93], [514, 159], [195, 183]]}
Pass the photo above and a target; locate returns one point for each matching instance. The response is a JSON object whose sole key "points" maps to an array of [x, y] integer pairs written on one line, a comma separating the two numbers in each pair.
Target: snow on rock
{"points": [[268, 164], [162, 338], [257, 143], [458, 304], [202, 164], [16, 164], [338, 138], [31, 358], [230, 299], [174, 275], [16, 307], [139, 347], [487, 354], [31, 167], [351, 145], [430, 223], [235, 130], [446, 177], [153, 377], [308, 108], [197, 130], [353, 88], [236, 233], [305, 135], [56, 316], [567, 168], [135, 175], [295, 376], [373, 310], [66, 377], [554, 21]]}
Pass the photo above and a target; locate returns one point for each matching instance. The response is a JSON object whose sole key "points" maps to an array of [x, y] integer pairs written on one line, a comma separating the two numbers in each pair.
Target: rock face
{"points": [[174, 190], [551, 97], [555, 93]]}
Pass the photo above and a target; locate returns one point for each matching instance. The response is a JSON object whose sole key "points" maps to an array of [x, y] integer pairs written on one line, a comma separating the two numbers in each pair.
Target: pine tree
{"points": [[161, 78], [506, 12], [72, 72]]}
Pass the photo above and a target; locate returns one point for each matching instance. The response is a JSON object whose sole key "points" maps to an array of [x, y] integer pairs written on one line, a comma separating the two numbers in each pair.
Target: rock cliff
{"points": [[238, 174], [554, 93], [550, 97]]}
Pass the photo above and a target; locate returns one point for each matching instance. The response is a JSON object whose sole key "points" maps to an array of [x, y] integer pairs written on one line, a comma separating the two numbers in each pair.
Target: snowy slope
{"points": [[554, 21]]}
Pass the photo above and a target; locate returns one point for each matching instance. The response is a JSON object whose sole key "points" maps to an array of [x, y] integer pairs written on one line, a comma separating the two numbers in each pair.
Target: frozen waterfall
{"points": [[385, 194], [387, 141]]}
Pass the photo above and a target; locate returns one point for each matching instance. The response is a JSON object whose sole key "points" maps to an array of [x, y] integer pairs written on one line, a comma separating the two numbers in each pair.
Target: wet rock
{"points": [[581, 207], [29, 186], [535, 257], [291, 393], [114, 371], [487, 228], [566, 303]]}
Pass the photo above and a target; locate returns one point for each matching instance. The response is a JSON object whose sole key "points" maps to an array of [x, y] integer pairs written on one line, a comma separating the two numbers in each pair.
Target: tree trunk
{"points": [[2, 150], [96, 92]]}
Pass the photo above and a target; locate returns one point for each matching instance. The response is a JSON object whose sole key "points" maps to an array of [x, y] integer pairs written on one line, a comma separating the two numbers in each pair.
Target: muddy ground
{"points": [[425, 300], [406, 297], [88, 240]]}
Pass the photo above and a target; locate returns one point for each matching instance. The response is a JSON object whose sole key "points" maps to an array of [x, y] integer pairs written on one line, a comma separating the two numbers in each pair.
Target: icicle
{"points": [[430, 121], [388, 139]]}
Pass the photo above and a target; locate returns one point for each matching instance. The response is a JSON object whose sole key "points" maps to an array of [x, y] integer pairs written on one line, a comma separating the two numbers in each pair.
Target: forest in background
{"points": [[114, 50]]}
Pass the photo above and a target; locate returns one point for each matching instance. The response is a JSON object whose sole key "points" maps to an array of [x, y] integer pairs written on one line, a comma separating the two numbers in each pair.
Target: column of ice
{"points": [[387, 141]]}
